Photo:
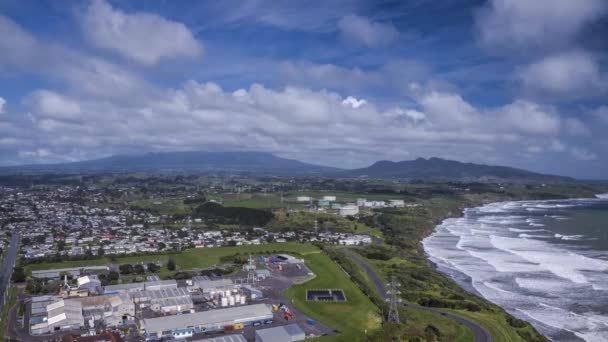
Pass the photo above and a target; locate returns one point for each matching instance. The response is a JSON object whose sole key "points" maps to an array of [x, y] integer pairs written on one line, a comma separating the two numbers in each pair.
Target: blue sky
{"points": [[342, 83]]}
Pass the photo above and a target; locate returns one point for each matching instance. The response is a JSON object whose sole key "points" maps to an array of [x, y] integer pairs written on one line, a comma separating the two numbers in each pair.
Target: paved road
{"points": [[481, 334], [7, 267]]}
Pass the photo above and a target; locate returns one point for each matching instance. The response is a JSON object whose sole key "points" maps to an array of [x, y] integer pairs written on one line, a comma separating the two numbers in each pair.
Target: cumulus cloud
{"points": [[576, 127], [524, 25], [83, 73], [360, 30], [582, 154], [2, 103], [353, 102], [566, 75], [529, 117], [601, 113], [145, 38], [54, 105]]}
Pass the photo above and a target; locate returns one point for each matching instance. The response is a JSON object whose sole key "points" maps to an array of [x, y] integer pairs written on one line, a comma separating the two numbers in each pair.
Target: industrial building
{"points": [[111, 309], [303, 199], [186, 325], [329, 198], [209, 286], [165, 300], [226, 338], [148, 285], [286, 333], [61, 315], [57, 273], [348, 210]]}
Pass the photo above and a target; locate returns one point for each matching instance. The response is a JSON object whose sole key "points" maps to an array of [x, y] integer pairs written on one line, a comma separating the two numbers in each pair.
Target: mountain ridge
{"points": [[246, 162]]}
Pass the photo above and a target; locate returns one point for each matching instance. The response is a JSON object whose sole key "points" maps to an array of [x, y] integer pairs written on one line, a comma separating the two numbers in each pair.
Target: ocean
{"points": [[543, 261]]}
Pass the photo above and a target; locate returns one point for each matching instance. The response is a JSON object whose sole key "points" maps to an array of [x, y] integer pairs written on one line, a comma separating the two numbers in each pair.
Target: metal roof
{"points": [[228, 338], [217, 317], [286, 333]]}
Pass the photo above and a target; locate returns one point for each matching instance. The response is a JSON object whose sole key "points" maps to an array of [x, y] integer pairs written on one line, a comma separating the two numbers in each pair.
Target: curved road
{"points": [[481, 333], [7, 267]]}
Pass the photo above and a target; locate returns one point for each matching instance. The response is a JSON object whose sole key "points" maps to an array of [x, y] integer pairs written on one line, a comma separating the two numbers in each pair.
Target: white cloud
{"points": [[582, 154], [576, 127], [83, 73], [53, 105], [531, 118], [447, 109], [360, 30], [557, 146], [571, 74], [601, 113], [142, 37], [522, 25], [353, 102], [2, 103]]}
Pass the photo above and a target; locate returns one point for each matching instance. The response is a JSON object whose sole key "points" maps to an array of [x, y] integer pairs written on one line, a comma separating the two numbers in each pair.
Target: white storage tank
{"points": [[243, 300], [237, 298], [224, 301], [231, 300]]}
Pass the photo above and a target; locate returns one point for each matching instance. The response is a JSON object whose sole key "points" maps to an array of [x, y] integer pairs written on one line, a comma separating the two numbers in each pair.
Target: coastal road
{"points": [[7, 267], [481, 334]]}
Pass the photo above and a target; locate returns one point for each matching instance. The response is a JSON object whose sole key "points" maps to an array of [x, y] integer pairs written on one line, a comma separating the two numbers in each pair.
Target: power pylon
{"points": [[393, 293]]}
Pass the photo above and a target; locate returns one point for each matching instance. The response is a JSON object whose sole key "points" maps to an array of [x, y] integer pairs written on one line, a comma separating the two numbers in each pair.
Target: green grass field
{"points": [[352, 318], [188, 259]]}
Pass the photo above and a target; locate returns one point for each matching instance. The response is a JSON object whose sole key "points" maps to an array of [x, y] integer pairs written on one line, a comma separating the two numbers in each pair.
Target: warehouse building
{"points": [[60, 316], [349, 210], [58, 273], [148, 285], [109, 309], [226, 338], [186, 325], [286, 333], [166, 300], [209, 286]]}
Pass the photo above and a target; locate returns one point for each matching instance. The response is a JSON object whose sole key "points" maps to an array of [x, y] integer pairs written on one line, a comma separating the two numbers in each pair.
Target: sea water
{"points": [[543, 261]]}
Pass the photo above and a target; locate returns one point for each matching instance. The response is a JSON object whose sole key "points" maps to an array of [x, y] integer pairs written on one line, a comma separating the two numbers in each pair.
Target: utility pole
{"points": [[393, 293]]}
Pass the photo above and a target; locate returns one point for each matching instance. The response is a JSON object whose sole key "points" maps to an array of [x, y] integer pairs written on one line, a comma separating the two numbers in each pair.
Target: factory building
{"points": [[148, 285], [209, 286], [109, 309], [286, 333], [180, 326], [58, 273], [303, 199], [396, 203], [226, 338], [169, 300], [355, 240], [329, 198], [349, 210], [61, 315]]}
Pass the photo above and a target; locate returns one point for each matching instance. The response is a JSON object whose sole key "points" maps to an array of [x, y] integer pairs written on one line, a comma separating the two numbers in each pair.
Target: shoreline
{"points": [[468, 287]]}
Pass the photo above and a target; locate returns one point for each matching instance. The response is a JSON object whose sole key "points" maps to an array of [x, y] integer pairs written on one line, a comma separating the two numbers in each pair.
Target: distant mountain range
{"points": [[260, 163], [437, 169]]}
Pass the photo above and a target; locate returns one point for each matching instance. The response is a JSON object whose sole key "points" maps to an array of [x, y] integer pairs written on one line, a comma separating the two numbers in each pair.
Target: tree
{"points": [[161, 245], [171, 265], [18, 275], [60, 245], [113, 276], [126, 269], [139, 269], [101, 251], [152, 267]]}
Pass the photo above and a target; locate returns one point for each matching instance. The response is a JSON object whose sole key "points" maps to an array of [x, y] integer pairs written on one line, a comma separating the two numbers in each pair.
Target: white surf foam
{"points": [[518, 230], [602, 196], [560, 262], [569, 237]]}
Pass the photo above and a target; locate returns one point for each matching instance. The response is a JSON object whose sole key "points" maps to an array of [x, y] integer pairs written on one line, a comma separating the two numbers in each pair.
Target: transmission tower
{"points": [[251, 271], [393, 293]]}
